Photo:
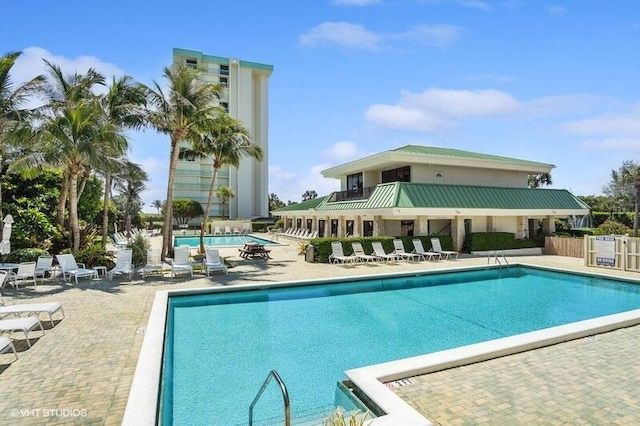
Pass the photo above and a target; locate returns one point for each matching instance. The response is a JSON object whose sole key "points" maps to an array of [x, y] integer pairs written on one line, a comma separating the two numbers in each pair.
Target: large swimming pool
{"points": [[221, 241], [220, 347]]}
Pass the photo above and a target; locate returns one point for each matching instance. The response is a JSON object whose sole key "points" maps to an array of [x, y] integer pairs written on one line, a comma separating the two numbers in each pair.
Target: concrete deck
{"points": [[80, 371]]}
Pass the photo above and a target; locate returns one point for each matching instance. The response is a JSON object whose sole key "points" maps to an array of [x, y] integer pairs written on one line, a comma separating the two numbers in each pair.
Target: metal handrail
{"points": [[496, 257], [285, 397]]}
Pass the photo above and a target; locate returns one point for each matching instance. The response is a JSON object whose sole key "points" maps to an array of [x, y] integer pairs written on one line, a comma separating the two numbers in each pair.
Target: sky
{"points": [[549, 81]]}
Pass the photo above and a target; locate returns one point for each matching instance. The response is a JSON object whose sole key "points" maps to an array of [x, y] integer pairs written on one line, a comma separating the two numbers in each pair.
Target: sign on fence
{"points": [[606, 251]]}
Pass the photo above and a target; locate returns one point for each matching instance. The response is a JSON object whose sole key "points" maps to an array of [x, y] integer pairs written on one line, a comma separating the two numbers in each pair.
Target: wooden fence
{"points": [[571, 247]]}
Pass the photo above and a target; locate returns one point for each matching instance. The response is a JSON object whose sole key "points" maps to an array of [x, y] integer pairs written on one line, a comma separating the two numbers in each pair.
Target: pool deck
{"points": [[81, 370]]}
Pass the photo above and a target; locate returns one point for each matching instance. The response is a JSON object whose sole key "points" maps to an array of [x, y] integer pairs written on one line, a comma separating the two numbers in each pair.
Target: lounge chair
{"points": [[337, 254], [212, 261], [437, 248], [401, 252], [25, 325], [123, 264], [71, 269], [180, 262], [358, 251], [44, 265], [26, 272], [118, 242], [425, 255], [216, 230], [6, 344], [49, 308], [379, 251], [227, 230], [154, 263]]}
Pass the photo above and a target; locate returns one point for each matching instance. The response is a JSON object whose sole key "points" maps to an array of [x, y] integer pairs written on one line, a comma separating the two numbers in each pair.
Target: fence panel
{"points": [[571, 247]]}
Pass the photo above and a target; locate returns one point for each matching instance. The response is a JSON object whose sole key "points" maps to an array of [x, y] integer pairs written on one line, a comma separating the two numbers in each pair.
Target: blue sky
{"points": [[550, 81]]}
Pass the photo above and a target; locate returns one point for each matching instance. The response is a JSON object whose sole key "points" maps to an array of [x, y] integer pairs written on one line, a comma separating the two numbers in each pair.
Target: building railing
{"points": [[352, 194]]}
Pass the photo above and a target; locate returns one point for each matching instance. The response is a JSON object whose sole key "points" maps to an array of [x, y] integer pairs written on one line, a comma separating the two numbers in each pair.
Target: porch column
{"points": [[549, 224], [522, 224], [327, 226], [490, 227], [378, 226], [341, 227], [457, 232], [423, 226], [357, 226]]}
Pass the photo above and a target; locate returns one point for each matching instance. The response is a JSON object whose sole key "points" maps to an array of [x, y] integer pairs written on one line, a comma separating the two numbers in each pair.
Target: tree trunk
{"points": [[208, 209], [167, 226], [637, 211], [105, 209], [62, 199], [73, 212]]}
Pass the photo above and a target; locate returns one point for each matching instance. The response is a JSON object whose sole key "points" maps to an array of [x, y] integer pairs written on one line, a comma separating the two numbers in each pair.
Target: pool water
{"points": [[221, 241], [220, 347]]}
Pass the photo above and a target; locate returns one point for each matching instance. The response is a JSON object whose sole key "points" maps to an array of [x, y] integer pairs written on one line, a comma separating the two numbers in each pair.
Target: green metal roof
{"points": [[305, 205], [424, 195], [456, 153]]}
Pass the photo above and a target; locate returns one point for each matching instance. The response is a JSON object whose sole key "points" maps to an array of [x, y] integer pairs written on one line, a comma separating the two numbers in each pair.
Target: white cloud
{"points": [[607, 124], [342, 152], [356, 2], [473, 4], [404, 118], [555, 10], [440, 35], [343, 34], [580, 103], [613, 144]]}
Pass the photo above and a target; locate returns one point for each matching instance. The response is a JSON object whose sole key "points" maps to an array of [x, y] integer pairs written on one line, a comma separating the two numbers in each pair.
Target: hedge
{"points": [[483, 241], [322, 246]]}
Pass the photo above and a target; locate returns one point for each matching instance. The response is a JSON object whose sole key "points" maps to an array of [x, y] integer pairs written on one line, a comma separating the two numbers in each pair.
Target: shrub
{"points": [[95, 255], [139, 246], [611, 227], [484, 241], [25, 255]]}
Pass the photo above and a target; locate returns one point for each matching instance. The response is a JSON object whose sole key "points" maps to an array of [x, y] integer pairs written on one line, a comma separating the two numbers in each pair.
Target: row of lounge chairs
{"points": [[299, 234], [399, 253], [246, 228]]}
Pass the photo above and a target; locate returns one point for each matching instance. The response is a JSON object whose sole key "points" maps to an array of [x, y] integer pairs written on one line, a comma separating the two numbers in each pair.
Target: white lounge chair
{"points": [[401, 252], [44, 264], [358, 251], [227, 230], [71, 269], [154, 263], [425, 255], [180, 262], [25, 325], [26, 272], [49, 308], [123, 264], [216, 230], [437, 248], [212, 261], [379, 251], [6, 344], [337, 254]]}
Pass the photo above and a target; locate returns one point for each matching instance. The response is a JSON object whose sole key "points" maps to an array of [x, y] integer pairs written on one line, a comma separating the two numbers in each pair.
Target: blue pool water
{"points": [[221, 240], [220, 347]]}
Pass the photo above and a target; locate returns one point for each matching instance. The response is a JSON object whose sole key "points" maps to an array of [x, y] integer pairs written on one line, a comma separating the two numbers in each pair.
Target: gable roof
{"points": [[305, 205], [418, 154]]}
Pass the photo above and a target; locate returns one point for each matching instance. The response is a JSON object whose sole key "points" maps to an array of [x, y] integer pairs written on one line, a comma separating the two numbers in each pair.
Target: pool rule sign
{"points": [[606, 251]]}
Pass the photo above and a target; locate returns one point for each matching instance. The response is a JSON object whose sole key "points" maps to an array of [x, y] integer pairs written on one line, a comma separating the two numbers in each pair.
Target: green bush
{"points": [[25, 255], [611, 227], [139, 246], [484, 241], [95, 255]]}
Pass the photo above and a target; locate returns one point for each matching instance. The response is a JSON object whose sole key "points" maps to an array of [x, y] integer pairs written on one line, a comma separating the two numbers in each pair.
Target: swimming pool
{"points": [[221, 241], [219, 347]]}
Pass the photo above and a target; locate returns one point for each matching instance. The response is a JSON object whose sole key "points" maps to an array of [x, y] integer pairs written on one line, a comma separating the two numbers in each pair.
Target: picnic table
{"points": [[253, 250]]}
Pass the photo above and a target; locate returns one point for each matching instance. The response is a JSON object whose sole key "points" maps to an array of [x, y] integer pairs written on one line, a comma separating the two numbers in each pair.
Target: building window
{"points": [[334, 227], [298, 223], [354, 181], [224, 81], [367, 228], [406, 228], [349, 225], [321, 228], [191, 63], [309, 224], [402, 174], [224, 69]]}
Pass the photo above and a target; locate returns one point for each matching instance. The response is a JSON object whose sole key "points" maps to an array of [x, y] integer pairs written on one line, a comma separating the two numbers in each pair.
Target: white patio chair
{"points": [[379, 251], [337, 254], [425, 255], [25, 325], [123, 264], [216, 230], [6, 344], [401, 252], [180, 262], [154, 263], [26, 271], [212, 261], [227, 230], [358, 251], [72, 269], [48, 308], [437, 248], [44, 264]]}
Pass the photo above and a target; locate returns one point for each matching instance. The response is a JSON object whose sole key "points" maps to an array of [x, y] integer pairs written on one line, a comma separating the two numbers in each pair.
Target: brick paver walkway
{"points": [[80, 372]]}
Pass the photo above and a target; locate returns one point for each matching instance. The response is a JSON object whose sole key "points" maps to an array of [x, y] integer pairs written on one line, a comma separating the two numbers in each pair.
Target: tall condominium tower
{"points": [[245, 98]]}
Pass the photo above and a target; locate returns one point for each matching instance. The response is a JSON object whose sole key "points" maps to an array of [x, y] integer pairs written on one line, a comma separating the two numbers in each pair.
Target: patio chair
{"points": [[118, 242], [227, 230], [180, 262], [123, 264], [337, 254], [425, 255], [154, 263], [212, 261], [400, 251], [44, 265], [49, 308], [71, 269], [379, 251], [6, 344], [25, 325], [358, 251], [437, 248], [216, 230], [26, 271]]}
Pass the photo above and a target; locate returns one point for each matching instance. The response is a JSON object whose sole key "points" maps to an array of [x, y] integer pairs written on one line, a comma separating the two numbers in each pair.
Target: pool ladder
{"points": [[497, 255], [285, 396]]}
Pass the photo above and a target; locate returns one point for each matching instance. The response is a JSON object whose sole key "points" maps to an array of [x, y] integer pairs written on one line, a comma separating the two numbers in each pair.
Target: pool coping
{"points": [[143, 402]]}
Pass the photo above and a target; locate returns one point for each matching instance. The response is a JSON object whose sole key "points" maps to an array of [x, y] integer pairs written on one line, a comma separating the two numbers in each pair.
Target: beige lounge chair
{"points": [[437, 248], [379, 251], [358, 251], [424, 255], [402, 253]]}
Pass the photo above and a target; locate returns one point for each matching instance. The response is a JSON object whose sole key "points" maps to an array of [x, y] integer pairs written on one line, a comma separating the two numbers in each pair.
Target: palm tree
{"points": [[226, 141], [625, 184], [130, 184], [180, 113], [539, 179], [14, 115], [309, 195], [157, 204], [122, 108], [224, 194]]}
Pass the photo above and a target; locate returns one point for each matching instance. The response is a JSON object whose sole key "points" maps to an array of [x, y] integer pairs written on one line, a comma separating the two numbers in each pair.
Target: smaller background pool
{"points": [[221, 241]]}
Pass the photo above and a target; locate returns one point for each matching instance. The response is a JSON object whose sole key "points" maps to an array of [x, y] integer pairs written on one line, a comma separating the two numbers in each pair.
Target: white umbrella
{"points": [[5, 245]]}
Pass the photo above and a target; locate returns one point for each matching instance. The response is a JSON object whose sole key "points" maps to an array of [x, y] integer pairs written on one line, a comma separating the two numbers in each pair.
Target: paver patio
{"points": [[80, 372]]}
